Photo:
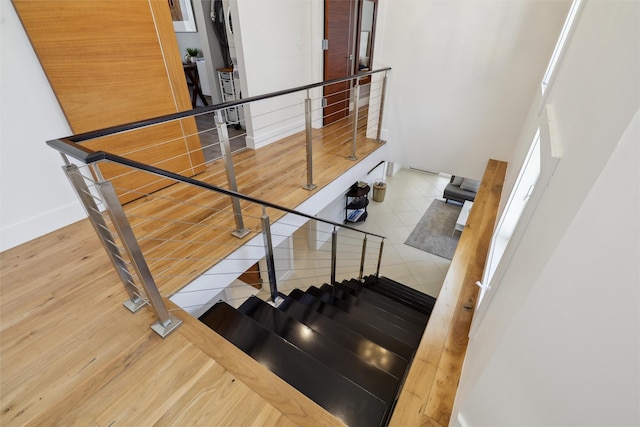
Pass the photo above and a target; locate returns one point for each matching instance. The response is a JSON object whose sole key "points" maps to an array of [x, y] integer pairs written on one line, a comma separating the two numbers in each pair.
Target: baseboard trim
{"points": [[23, 231]]}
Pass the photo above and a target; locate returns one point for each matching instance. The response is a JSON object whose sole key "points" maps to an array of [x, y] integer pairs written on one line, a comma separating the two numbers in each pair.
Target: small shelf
{"points": [[229, 92], [357, 215], [356, 202], [356, 191]]}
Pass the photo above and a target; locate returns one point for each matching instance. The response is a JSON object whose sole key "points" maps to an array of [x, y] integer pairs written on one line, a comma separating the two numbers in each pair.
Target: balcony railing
{"points": [[187, 223]]}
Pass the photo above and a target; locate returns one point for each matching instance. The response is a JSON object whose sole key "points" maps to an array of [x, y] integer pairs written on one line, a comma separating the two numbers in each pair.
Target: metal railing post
{"points": [[166, 322], [225, 147], [96, 219], [364, 249], [356, 97], [309, 139], [382, 99], [379, 258], [268, 250], [334, 250]]}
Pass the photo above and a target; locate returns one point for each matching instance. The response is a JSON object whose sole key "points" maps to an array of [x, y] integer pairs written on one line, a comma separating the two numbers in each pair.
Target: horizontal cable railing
{"points": [[184, 207]]}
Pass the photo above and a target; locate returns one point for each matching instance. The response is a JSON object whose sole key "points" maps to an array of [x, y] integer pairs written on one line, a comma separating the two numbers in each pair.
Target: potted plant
{"points": [[192, 54]]}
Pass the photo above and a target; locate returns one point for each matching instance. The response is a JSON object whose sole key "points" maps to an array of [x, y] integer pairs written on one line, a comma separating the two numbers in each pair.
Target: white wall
{"points": [[452, 62], [279, 47], [559, 342], [35, 196], [463, 75]]}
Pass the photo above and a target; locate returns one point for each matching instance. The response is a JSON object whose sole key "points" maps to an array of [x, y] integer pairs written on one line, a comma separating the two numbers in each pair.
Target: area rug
{"points": [[433, 232]]}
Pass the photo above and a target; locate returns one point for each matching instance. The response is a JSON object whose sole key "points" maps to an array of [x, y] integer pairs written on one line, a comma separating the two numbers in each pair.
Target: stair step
{"points": [[427, 299], [374, 353], [347, 320], [400, 309], [348, 292], [390, 324], [400, 295], [338, 395], [356, 304], [323, 349]]}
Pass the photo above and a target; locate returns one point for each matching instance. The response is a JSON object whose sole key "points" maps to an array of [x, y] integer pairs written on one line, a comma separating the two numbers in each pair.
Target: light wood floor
{"points": [[178, 224], [71, 354]]}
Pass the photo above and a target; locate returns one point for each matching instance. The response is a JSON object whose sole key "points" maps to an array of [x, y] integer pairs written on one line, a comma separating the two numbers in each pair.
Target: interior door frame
{"points": [[336, 97], [358, 32]]}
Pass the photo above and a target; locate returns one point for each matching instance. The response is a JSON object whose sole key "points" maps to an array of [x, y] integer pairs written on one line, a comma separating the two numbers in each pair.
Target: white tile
{"points": [[421, 204], [409, 194], [410, 218], [390, 256], [426, 271], [397, 234], [379, 207], [410, 254], [402, 206]]}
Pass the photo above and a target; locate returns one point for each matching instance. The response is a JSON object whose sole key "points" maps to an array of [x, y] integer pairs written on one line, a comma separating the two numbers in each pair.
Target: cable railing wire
{"points": [[164, 236]]}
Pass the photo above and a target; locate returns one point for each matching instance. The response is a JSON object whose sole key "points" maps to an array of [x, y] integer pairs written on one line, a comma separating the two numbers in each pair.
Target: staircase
{"points": [[347, 346]]}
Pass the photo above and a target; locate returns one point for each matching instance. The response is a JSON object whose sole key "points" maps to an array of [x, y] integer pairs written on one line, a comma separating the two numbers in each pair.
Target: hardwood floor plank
{"points": [[192, 218], [48, 335], [215, 391], [71, 354], [52, 362], [293, 404], [145, 388]]}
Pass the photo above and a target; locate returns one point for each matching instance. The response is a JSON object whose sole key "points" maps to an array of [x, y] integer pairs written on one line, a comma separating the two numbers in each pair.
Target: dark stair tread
{"points": [[416, 300], [356, 303], [403, 299], [405, 290], [427, 299], [349, 321], [332, 391], [368, 294], [402, 293], [323, 349], [383, 323], [374, 353], [366, 297]]}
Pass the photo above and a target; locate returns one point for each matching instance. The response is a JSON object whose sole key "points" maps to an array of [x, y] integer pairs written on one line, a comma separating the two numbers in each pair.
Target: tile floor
{"points": [[408, 195]]}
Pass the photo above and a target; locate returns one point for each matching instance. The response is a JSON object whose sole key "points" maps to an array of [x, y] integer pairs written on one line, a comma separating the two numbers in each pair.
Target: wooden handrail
{"points": [[430, 388]]}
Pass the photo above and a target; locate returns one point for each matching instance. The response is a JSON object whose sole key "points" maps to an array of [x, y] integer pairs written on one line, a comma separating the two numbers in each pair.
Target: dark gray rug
{"points": [[433, 232]]}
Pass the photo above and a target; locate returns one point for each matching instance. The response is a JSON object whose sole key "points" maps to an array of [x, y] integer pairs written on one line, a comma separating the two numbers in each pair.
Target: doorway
{"points": [[339, 25], [349, 31]]}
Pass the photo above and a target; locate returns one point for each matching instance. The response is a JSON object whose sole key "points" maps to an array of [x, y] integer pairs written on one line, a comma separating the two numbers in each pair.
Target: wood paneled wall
{"points": [[112, 62]]}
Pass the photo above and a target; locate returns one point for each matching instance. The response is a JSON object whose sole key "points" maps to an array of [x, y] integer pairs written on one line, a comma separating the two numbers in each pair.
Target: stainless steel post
{"points": [[166, 322], [96, 219], [309, 136], [382, 99], [379, 258], [334, 250], [223, 136], [268, 250], [356, 97], [364, 251]]}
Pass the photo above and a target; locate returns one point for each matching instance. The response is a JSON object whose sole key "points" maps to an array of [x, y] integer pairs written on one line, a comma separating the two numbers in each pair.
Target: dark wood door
{"points": [[338, 58]]}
